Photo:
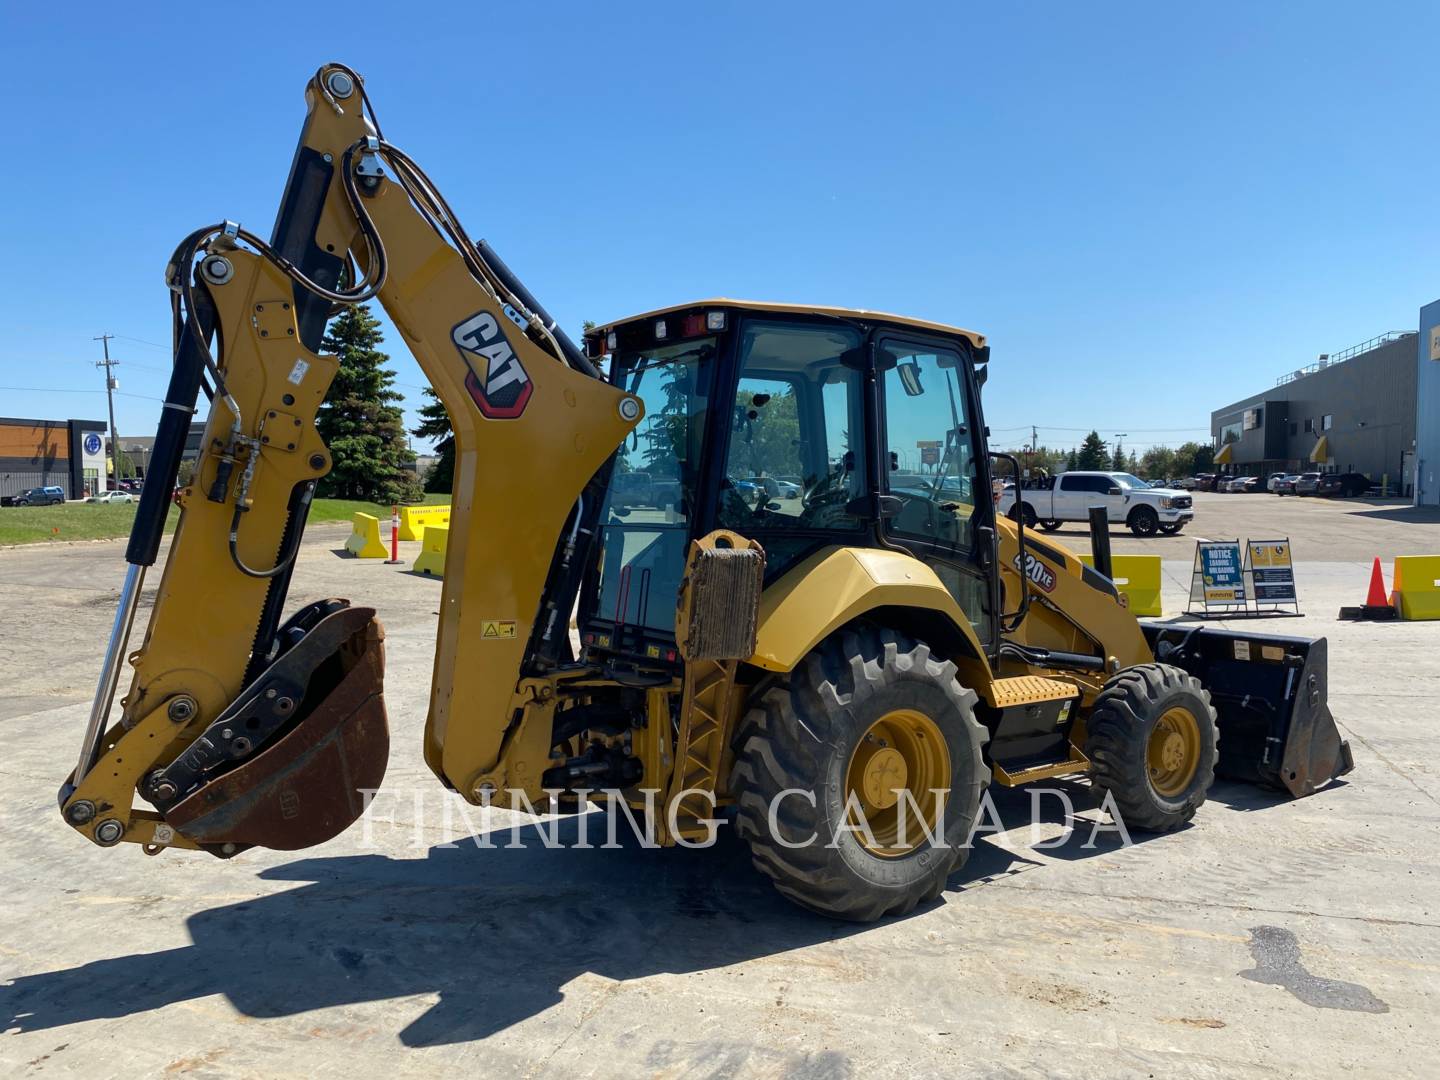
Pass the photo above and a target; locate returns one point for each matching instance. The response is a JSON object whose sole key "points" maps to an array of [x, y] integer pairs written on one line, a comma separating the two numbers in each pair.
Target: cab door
{"points": [[933, 481]]}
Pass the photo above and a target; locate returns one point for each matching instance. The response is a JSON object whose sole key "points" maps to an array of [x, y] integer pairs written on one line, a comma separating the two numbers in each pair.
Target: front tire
{"points": [[1151, 744], [1144, 521], [1172, 528], [866, 709], [1050, 525]]}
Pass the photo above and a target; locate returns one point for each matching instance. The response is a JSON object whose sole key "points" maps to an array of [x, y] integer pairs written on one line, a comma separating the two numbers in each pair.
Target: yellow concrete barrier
{"points": [[414, 519], [431, 559], [364, 542], [1417, 587], [1137, 577]]}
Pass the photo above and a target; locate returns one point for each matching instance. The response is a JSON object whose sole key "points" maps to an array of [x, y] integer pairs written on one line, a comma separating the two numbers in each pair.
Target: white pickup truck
{"points": [[1127, 499]]}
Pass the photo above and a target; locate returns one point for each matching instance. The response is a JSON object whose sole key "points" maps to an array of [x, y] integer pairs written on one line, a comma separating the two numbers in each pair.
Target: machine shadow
{"points": [[495, 934]]}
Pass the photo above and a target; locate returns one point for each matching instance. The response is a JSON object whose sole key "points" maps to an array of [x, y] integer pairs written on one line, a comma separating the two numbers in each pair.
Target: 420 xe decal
{"points": [[497, 381], [1037, 572]]}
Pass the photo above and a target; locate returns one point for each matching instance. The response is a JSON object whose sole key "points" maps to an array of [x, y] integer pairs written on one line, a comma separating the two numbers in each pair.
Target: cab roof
{"points": [[978, 340]]}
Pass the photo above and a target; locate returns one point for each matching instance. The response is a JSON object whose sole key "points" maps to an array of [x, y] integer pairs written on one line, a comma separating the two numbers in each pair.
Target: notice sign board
{"points": [[1272, 574], [1218, 579], [1233, 580]]}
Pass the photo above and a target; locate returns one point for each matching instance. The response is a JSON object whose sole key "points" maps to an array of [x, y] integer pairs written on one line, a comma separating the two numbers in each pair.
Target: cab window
{"points": [[795, 424], [930, 450]]}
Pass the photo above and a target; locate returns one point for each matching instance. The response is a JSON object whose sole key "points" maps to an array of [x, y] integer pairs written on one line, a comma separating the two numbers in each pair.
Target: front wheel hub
{"points": [[1173, 752]]}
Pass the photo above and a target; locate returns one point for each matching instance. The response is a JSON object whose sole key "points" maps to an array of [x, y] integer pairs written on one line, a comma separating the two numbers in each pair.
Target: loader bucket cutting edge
{"points": [[1271, 701], [310, 784]]}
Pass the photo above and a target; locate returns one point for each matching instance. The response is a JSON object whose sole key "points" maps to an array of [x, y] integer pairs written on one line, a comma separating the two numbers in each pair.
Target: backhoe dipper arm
{"points": [[240, 730]]}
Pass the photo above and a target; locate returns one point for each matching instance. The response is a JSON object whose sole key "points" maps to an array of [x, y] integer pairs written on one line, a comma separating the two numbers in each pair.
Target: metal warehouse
{"points": [[1427, 408], [1353, 411]]}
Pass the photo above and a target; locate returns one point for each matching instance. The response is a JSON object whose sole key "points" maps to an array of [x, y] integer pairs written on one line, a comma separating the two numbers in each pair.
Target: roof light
{"points": [[610, 341], [715, 320], [659, 329], [694, 325]]}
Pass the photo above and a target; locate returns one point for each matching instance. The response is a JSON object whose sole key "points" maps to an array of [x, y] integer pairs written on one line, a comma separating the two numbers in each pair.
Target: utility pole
{"points": [[110, 384]]}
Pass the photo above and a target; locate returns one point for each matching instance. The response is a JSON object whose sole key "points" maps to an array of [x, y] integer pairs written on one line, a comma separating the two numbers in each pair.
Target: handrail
{"points": [[1338, 358]]}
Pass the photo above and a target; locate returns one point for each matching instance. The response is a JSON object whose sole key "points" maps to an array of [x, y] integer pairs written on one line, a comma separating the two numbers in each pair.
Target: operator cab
{"points": [[803, 428]]}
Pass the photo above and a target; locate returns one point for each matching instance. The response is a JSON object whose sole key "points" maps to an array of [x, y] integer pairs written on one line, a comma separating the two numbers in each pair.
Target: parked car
{"points": [[104, 498], [40, 496], [1274, 480], [1204, 482], [1286, 484], [1127, 499], [1306, 483], [1344, 485]]}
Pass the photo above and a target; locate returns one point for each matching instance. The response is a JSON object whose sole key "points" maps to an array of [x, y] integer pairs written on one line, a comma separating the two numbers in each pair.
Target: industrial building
{"points": [[1427, 408], [51, 453], [138, 448], [1353, 411]]}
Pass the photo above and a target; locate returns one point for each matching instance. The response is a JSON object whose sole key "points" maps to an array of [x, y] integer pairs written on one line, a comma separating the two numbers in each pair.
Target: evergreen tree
{"points": [[435, 426], [1093, 454], [1072, 460], [359, 421], [1118, 459]]}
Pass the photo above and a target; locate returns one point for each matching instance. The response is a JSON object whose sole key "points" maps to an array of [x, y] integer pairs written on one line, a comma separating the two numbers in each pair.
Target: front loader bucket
{"points": [[321, 707], [1270, 696]]}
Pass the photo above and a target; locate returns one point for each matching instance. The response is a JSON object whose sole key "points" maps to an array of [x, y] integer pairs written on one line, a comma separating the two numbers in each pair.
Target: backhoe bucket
{"points": [[1270, 696], [316, 720]]}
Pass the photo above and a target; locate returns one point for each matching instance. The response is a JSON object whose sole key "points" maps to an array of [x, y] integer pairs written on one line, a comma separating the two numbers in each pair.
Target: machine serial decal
{"points": [[1037, 572], [497, 381]]}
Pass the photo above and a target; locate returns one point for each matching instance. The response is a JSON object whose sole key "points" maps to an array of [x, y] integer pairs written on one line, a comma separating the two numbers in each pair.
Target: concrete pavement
{"points": [[1269, 938]]}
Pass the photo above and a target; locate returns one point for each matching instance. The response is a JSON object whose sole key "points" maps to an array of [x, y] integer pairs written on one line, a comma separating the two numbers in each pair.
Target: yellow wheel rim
{"points": [[1173, 753], [903, 751]]}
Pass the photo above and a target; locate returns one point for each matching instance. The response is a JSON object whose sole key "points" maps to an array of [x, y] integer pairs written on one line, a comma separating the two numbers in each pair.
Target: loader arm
{"points": [[240, 730]]}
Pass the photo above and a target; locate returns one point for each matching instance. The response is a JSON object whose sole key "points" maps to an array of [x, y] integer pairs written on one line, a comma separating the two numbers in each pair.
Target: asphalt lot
{"points": [[1269, 938]]}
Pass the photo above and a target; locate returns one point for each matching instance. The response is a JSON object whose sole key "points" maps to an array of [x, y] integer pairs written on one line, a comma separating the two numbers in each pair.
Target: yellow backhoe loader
{"points": [[772, 525]]}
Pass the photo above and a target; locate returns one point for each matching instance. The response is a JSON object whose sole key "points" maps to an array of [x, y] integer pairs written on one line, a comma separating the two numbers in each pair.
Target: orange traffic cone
{"points": [[1377, 604], [1378, 597]]}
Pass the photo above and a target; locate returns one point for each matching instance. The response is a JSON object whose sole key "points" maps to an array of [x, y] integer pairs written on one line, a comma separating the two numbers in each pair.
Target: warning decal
{"points": [[495, 629]]}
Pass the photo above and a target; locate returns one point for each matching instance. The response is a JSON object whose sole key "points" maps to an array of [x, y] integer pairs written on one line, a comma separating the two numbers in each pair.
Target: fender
{"points": [[837, 585]]}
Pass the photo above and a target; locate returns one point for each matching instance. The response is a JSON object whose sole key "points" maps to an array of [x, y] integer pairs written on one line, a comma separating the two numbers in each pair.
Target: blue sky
{"points": [[1150, 209]]}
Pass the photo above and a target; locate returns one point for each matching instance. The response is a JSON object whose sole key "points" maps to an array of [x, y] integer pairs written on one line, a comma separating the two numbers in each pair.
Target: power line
{"points": [[59, 390], [142, 341]]}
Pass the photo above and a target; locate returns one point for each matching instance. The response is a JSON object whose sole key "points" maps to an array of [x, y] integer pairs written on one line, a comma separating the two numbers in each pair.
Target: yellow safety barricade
{"points": [[1137, 577], [414, 519], [1417, 586], [364, 542], [431, 559]]}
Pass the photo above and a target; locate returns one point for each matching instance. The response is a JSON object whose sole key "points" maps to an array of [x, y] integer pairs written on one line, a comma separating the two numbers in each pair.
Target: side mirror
{"points": [[1115, 489], [909, 373]]}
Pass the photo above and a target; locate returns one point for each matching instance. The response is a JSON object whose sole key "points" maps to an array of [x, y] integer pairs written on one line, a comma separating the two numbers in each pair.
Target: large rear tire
{"points": [[1151, 743], [867, 713]]}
